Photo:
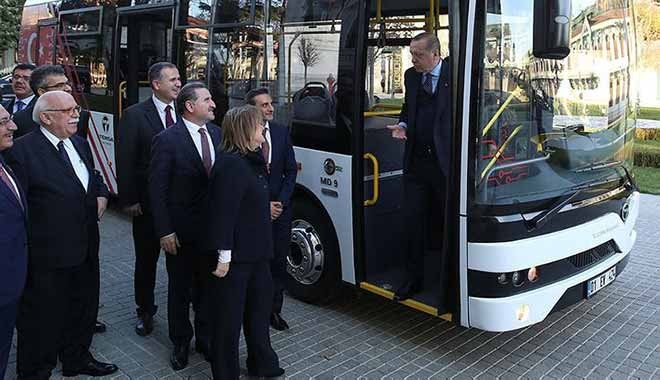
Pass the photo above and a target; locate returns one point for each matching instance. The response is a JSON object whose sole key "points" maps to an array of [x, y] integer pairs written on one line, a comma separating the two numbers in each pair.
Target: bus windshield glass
{"points": [[545, 126]]}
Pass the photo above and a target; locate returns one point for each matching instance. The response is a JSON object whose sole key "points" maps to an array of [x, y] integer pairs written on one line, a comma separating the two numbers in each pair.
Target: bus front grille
{"points": [[593, 255]]}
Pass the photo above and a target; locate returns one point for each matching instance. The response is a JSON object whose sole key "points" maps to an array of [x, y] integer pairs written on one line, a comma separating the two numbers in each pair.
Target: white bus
{"points": [[541, 205]]}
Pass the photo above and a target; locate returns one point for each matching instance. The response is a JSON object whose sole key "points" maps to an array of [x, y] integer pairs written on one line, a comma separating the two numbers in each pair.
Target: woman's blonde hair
{"points": [[238, 127]]}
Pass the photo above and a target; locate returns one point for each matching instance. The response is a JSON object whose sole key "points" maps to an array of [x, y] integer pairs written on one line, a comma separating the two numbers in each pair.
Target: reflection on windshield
{"points": [[542, 119]]}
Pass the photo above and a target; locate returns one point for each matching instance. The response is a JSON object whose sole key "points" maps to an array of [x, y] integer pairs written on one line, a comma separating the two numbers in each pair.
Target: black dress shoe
{"points": [[145, 324], [203, 348], [275, 373], [179, 357], [91, 368], [407, 290], [99, 327], [277, 322]]}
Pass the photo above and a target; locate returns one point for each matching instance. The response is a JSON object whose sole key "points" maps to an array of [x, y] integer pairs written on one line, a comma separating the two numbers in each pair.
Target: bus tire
{"points": [[313, 263]]}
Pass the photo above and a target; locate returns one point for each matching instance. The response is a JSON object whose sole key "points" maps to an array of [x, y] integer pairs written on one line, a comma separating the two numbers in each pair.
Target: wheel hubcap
{"points": [[305, 262]]}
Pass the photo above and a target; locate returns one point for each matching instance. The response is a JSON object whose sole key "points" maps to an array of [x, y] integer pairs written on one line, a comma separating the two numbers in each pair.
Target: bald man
{"points": [[66, 198]]}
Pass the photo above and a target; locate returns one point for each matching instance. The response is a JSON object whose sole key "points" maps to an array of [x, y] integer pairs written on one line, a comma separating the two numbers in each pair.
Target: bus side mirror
{"points": [[552, 29]]}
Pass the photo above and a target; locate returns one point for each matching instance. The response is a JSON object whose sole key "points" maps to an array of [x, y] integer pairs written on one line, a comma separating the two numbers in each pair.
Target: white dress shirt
{"points": [[193, 129], [11, 180], [77, 162], [25, 102], [270, 144], [160, 106]]}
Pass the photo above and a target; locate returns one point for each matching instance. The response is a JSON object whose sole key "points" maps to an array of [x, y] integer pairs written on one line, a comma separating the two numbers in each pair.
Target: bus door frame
{"points": [[132, 11]]}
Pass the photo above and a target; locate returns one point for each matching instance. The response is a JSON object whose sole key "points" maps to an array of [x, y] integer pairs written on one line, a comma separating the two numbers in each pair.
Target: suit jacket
{"points": [[283, 167], [9, 105], [13, 240], [178, 184], [442, 125], [25, 124], [137, 128], [63, 224], [239, 207]]}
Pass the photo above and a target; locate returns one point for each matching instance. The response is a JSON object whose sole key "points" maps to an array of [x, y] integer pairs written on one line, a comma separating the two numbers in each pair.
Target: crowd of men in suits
{"points": [[52, 198]]}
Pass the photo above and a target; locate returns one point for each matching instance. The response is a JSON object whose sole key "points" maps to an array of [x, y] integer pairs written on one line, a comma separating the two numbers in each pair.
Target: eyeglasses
{"points": [[71, 110], [17, 77], [6, 120], [58, 85]]}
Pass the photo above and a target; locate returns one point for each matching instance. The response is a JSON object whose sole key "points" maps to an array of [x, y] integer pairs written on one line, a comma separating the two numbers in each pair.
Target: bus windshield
{"points": [[546, 126]]}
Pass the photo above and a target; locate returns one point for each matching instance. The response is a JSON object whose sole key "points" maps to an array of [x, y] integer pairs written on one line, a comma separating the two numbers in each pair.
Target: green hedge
{"points": [[647, 158]]}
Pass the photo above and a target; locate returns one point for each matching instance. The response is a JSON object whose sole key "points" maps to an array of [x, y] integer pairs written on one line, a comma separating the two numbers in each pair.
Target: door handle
{"points": [[374, 197]]}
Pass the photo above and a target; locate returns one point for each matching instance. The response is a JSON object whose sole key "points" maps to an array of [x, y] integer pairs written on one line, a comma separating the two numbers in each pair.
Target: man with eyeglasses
{"points": [[13, 242], [66, 198], [20, 84], [44, 79]]}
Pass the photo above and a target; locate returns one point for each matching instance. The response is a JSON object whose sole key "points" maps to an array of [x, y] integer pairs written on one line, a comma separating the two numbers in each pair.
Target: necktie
{"points": [[265, 148], [428, 83], [65, 157], [19, 105], [169, 121], [5, 178], [206, 151]]}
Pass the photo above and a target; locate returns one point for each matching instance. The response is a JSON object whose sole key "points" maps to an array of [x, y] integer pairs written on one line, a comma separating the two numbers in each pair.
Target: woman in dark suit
{"points": [[241, 233]]}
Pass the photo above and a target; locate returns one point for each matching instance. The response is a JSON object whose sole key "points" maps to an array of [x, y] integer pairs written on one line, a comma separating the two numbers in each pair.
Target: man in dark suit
{"points": [[13, 242], [43, 79], [137, 127], [66, 198], [424, 123], [181, 160], [282, 170], [20, 84]]}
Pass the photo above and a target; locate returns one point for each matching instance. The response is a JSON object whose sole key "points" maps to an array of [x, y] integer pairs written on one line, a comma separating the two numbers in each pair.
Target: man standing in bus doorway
{"points": [[13, 242], [181, 161], [44, 79], [137, 127], [282, 170], [66, 199], [424, 123], [20, 84]]}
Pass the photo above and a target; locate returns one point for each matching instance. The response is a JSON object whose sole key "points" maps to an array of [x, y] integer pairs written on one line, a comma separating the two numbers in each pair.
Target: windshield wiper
{"points": [[542, 218], [610, 164]]}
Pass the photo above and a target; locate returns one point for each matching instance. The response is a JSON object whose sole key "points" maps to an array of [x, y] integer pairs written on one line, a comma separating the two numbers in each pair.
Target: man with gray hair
{"points": [[181, 160], [66, 198], [47, 78]]}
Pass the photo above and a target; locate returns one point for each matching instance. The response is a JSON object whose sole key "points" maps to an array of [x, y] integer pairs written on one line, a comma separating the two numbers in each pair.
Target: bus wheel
{"points": [[313, 262]]}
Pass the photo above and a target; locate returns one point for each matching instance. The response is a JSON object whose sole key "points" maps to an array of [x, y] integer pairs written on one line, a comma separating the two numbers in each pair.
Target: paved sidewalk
{"points": [[614, 335]]}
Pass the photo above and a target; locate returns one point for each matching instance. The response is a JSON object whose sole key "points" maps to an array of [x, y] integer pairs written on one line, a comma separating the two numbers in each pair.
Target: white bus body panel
{"points": [[500, 314], [101, 137], [339, 207]]}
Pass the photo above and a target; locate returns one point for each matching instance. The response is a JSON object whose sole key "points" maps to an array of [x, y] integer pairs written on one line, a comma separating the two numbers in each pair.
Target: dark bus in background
{"points": [[541, 205]]}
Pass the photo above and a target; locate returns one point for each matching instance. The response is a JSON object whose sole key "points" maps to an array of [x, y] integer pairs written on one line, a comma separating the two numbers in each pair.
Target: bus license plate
{"points": [[599, 282]]}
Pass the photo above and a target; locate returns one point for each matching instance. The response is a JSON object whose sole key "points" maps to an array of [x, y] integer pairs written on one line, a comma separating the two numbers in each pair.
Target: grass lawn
{"points": [[649, 113], [648, 145], [648, 179]]}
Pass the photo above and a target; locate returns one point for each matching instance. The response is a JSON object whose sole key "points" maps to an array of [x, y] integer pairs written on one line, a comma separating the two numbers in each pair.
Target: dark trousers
{"points": [[243, 296], [7, 323], [189, 277], [56, 318], [147, 250], [281, 246], [424, 191]]}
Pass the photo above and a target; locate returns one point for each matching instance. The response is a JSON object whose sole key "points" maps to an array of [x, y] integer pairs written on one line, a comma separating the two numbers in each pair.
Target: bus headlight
{"points": [[501, 279], [532, 274], [517, 279]]}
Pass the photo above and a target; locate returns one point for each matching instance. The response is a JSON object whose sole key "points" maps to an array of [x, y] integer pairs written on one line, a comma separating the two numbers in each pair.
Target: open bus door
{"points": [[144, 37]]}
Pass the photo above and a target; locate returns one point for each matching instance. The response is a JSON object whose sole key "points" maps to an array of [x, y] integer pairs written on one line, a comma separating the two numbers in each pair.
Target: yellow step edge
{"points": [[409, 302]]}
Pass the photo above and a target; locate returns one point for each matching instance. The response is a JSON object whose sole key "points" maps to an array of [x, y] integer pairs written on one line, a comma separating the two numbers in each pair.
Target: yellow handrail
{"points": [[374, 198], [493, 119], [382, 113], [499, 152]]}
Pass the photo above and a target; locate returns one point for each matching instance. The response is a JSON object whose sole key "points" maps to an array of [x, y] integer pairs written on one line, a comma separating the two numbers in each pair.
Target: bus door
{"points": [[144, 37], [391, 27]]}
